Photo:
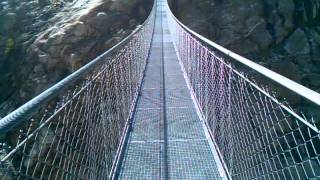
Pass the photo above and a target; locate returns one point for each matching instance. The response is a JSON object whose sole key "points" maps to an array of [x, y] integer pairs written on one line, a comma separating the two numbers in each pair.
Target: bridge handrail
{"points": [[301, 90], [29, 108]]}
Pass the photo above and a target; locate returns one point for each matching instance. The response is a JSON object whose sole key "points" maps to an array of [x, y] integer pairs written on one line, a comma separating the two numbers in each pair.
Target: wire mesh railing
{"points": [[75, 128], [257, 136]]}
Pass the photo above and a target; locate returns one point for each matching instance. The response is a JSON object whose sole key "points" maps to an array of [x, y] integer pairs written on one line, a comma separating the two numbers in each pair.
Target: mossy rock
{"points": [[10, 45]]}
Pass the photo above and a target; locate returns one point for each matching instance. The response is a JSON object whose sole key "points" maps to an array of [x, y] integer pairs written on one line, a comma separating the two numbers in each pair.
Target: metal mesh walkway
{"points": [[167, 139], [164, 103]]}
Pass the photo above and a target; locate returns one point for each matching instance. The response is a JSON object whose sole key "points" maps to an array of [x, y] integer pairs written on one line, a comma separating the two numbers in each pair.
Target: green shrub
{"points": [[9, 46]]}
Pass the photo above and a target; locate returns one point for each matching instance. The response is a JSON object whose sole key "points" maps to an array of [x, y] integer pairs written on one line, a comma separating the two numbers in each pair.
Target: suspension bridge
{"points": [[164, 103]]}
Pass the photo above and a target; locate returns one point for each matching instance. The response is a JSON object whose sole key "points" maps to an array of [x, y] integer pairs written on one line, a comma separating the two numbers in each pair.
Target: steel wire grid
{"points": [[258, 137], [77, 134]]}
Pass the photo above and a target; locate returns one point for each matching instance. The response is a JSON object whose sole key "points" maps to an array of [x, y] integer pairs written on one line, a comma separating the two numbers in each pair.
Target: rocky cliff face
{"points": [[20, 21], [42, 41], [281, 34]]}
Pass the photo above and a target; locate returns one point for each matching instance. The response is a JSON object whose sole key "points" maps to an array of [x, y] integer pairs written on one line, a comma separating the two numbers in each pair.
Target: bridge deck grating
{"points": [[142, 161], [185, 152], [191, 160], [178, 98], [150, 98], [183, 123], [146, 125]]}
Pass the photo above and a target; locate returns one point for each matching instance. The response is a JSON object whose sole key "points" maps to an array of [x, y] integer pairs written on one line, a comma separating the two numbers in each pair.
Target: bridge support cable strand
{"points": [[257, 136], [76, 128]]}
